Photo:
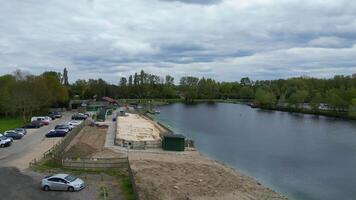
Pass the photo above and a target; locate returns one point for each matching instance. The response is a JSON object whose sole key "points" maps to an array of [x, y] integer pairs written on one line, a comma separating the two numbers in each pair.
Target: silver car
{"points": [[62, 182]]}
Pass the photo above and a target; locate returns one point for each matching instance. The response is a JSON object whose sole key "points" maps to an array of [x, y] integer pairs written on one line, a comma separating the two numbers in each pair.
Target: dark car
{"points": [[63, 126], [52, 116], [55, 114], [13, 134], [34, 124], [79, 116], [21, 130], [56, 133]]}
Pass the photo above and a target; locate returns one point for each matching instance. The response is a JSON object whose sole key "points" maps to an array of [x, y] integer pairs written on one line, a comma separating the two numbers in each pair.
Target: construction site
{"points": [[137, 132]]}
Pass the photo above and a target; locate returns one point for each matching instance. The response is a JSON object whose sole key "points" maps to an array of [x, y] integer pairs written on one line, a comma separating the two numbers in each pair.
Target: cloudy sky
{"points": [[222, 39]]}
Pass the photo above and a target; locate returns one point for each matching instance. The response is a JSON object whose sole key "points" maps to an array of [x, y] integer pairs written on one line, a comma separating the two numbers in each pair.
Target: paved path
{"points": [[32, 145]]}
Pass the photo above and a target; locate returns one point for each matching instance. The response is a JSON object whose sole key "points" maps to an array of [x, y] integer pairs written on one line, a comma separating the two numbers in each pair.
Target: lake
{"points": [[300, 156]]}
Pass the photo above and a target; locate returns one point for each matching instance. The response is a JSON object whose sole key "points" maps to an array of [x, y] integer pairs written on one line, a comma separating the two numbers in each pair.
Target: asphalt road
{"points": [[25, 184], [18, 185], [34, 136]]}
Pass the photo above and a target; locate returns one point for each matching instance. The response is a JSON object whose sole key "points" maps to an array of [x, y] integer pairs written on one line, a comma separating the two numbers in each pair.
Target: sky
{"points": [[220, 39]]}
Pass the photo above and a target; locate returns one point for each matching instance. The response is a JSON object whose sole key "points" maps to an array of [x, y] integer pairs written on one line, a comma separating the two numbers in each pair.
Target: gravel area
{"points": [[25, 185], [194, 177]]}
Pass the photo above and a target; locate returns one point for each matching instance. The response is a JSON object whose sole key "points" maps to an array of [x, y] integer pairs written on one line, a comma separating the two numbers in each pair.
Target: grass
{"points": [[10, 123], [121, 175]]}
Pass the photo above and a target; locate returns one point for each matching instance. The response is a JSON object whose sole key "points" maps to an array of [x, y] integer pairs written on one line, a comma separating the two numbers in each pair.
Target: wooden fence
{"points": [[95, 163], [57, 150], [133, 183]]}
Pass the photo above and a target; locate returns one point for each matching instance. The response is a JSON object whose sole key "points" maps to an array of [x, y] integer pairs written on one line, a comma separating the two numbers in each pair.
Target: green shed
{"points": [[173, 142]]}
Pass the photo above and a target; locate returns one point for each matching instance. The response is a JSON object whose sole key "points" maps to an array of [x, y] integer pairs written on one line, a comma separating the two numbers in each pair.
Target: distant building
{"points": [[110, 100], [354, 75]]}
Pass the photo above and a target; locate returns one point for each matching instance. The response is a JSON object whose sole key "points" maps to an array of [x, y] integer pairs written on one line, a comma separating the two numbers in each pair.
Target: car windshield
{"points": [[70, 178], [3, 137]]}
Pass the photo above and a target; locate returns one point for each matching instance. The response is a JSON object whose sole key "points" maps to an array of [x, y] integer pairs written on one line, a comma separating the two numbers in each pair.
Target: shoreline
{"points": [[327, 113], [247, 179]]}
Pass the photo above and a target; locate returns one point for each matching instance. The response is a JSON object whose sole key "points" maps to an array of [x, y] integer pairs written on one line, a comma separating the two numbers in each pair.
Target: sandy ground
{"points": [[177, 176], [134, 127], [90, 143]]}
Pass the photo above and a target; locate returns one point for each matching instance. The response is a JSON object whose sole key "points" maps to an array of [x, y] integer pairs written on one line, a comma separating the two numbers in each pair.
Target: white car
{"points": [[48, 118], [4, 141], [62, 182], [74, 123], [71, 126], [13, 131], [45, 120]]}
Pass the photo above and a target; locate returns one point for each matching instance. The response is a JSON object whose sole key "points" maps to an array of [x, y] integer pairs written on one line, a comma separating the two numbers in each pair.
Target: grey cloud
{"points": [[203, 2], [230, 39]]}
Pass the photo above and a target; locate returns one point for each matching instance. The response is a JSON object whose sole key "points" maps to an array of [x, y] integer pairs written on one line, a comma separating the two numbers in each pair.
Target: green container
{"points": [[174, 142]]}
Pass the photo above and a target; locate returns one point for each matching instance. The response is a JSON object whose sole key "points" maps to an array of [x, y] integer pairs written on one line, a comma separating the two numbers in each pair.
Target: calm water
{"points": [[300, 156]]}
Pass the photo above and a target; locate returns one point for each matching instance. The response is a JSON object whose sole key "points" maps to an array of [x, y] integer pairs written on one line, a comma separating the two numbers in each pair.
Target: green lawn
{"points": [[10, 123]]}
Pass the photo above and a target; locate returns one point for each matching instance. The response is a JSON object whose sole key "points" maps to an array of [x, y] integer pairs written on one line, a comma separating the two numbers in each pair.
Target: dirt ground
{"points": [[36, 153], [194, 177], [89, 143]]}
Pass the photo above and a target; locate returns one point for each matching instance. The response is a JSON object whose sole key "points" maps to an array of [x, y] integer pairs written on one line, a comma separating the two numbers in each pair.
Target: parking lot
{"points": [[19, 182], [25, 185], [31, 146]]}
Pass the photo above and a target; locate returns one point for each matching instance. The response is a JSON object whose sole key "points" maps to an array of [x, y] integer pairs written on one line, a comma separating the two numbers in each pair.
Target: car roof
{"points": [[59, 176]]}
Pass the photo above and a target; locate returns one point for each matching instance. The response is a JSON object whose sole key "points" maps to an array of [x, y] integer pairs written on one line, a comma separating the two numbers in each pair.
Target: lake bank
{"points": [[171, 175], [159, 102], [302, 156]]}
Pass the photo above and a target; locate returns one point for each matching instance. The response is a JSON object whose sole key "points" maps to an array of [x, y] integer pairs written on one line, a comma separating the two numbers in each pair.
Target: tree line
{"points": [[338, 93], [23, 94]]}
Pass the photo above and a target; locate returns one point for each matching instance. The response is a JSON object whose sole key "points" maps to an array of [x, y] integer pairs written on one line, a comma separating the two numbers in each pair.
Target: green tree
{"points": [[265, 98], [65, 77], [316, 101], [123, 81], [298, 98]]}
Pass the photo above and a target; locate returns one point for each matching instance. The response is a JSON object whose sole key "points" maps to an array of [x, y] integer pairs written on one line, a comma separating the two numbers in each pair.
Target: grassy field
{"points": [[10, 123]]}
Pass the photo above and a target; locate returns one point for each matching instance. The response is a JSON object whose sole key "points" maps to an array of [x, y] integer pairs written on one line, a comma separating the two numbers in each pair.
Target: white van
{"points": [[45, 120]]}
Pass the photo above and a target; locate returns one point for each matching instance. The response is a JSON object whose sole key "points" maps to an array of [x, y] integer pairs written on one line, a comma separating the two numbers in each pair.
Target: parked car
{"points": [[13, 134], [34, 124], [21, 130], [55, 114], [56, 133], [63, 126], [52, 116], [47, 118], [79, 116], [74, 123], [44, 120], [62, 182], [5, 141]]}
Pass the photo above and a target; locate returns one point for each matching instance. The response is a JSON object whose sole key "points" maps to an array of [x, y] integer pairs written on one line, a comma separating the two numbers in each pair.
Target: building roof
{"points": [[175, 136], [108, 99]]}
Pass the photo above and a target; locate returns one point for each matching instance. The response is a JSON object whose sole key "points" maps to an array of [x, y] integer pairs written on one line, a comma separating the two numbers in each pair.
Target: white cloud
{"points": [[222, 39]]}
